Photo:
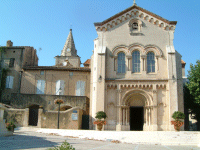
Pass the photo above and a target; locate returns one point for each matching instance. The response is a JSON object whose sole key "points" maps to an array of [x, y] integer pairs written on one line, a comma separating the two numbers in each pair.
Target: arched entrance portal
{"points": [[33, 115], [136, 110]]}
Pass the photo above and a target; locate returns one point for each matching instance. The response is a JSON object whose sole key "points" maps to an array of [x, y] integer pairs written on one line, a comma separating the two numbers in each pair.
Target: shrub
{"points": [[100, 115], [65, 146], [10, 125], [177, 115]]}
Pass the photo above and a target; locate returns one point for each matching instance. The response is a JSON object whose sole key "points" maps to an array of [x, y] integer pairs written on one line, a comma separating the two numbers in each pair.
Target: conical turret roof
{"points": [[69, 47]]}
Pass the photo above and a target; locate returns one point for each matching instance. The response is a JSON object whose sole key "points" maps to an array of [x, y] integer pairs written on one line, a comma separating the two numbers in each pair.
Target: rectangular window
{"points": [[80, 88], [12, 62], [6, 63], [9, 82], [60, 87], [40, 86], [42, 72]]}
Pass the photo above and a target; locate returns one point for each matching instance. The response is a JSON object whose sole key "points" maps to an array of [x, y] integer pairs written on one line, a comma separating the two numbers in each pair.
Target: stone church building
{"points": [[134, 75]]}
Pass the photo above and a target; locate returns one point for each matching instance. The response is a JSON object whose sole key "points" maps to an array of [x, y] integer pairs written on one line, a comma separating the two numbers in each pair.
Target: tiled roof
{"points": [[63, 68], [182, 62], [87, 62]]}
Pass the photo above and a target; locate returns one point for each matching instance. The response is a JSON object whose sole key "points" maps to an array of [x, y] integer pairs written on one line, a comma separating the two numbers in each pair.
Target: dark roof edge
{"points": [[139, 8], [55, 68]]}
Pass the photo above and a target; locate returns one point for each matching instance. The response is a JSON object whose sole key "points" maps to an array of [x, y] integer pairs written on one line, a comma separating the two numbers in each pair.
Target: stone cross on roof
{"points": [[134, 3], [69, 47]]}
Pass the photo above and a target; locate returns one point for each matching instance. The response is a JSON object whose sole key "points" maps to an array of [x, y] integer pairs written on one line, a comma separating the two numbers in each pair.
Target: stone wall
{"points": [[22, 101], [16, 115], [46, 119], [49, 119]]}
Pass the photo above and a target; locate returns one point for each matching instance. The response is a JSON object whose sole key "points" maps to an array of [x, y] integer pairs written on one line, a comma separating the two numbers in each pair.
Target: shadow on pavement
{"points": [[23, 141]]}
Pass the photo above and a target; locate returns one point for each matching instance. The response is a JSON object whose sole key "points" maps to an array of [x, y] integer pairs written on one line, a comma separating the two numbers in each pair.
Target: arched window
{"points": [[135, 26], [150, 62], [136, 61], [121, 63], [60, 87]]}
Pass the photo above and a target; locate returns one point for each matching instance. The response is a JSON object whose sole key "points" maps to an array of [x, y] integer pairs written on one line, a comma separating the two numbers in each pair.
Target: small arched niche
{"points": [[64, 108]]}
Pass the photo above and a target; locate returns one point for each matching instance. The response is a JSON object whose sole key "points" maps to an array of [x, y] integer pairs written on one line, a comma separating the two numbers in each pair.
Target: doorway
{"points": [[136, 118], [33, 115]]}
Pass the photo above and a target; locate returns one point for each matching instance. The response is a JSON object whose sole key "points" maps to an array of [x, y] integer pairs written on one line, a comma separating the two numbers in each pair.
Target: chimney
{"points": [[9, 43]]}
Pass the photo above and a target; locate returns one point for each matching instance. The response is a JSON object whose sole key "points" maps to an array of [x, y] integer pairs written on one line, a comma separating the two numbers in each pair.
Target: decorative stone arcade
{"points": [[128, 106]]}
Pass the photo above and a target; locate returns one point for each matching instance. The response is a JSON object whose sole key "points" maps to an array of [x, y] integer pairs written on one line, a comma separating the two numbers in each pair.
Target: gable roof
{"points": [[87, 62], [135, 7]]}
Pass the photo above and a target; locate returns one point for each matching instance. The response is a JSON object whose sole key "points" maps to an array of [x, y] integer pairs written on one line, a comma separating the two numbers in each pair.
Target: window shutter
{"points": [[11, 82], [62, 84], [38, 87], [78, 86], [42, 86], [7, 81], [82, 91], [57, 87]]}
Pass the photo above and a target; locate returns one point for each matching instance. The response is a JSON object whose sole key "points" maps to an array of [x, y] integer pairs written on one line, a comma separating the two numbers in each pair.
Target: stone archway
{"points": [[135, 110]]}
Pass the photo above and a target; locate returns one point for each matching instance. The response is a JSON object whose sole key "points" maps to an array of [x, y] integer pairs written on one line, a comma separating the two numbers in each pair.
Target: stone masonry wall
{"points": [[22, 101]]}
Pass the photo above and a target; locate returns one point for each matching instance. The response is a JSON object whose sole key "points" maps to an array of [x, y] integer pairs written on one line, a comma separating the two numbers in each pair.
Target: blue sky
{"points": [[45, 24]]}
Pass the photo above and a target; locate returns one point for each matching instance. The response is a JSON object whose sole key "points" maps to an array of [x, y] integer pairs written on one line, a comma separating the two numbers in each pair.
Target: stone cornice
{"points": [[116, 19]]}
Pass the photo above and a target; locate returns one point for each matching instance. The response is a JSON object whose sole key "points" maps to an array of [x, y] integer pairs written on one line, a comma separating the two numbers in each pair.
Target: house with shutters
{"points": [[134, 75]]}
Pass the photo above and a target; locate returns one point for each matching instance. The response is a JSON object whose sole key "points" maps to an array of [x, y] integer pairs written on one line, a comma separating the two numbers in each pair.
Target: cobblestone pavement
{"points": [[40, 141]]}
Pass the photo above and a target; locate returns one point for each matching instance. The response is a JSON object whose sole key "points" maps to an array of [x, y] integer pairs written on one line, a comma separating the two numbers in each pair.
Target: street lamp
{"points": [[58, 101]]}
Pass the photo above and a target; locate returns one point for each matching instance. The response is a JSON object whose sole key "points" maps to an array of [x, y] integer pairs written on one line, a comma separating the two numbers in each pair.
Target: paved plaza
{"points": [[27, 139]]}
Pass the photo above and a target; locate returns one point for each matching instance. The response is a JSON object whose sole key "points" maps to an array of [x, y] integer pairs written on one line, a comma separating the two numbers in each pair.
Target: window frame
{"points": [[138, 64], [9, 80], [60, 84], [40, 90], [121, 63], [80, 88], [151, 67]]}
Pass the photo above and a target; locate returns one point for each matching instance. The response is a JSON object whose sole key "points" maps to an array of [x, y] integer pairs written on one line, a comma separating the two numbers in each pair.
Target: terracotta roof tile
{"points": [[87, 62], [182, 62]]}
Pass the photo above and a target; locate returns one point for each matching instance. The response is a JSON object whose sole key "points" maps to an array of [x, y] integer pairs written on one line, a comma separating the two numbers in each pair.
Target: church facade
{"points": [[134, 75]]}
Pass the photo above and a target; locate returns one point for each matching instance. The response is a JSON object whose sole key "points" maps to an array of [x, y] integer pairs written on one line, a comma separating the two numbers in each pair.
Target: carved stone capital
{"points": [[143, 56], [128, 56], [155, 91], [119, 90]]}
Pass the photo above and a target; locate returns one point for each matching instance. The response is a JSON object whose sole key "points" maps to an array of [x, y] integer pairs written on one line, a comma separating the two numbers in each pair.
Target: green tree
{"points": [[192, 90]]}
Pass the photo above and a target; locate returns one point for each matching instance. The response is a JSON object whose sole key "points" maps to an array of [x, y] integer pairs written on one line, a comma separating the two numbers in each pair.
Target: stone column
{"points": [[157, 63], [127, 122], [124, 116], [129, 62], [26, 117], [40, 111], [155, 113], [143, 57], [149, 116], [146, 111], [119, 111]]}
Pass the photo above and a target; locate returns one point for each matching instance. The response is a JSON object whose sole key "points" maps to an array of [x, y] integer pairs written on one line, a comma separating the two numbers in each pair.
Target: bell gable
{"points": [[136, 15]]}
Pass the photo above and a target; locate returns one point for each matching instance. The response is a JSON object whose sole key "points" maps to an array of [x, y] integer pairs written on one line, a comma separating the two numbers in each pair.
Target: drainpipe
{"points": [[20, 75], [2, 52]]}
